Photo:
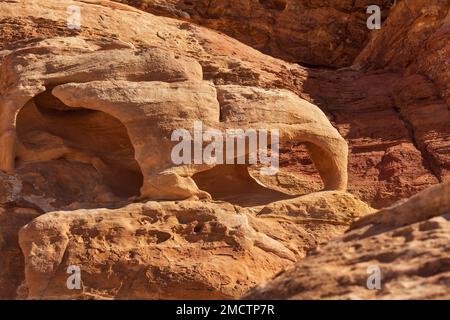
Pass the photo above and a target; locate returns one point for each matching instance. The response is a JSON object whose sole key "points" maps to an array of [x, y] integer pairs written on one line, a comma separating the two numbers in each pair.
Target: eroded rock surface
{"points": [[177, 250], [391, 107], [415, 39], [408, 243], [396, 147], [387, 162], [151, 93], [318, 33]]}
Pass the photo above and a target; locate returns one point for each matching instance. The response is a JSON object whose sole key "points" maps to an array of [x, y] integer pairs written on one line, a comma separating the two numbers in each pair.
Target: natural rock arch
{"points": [[153, 92], [166, 107]]}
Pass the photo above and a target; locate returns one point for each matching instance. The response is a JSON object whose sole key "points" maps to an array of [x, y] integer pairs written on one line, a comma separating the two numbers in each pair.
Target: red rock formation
{"points": [[318, 33], [407, 246], [177, 250], [414, 39], [391, 104]]}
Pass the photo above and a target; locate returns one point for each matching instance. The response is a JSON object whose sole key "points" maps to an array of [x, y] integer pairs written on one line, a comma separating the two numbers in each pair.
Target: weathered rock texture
{"points": [[396, 147], [391, 106], [151, 93], [397, 127], [319, 33], [413, 39], [409, 243], [151, 111], [170, 250], [387, 162]]}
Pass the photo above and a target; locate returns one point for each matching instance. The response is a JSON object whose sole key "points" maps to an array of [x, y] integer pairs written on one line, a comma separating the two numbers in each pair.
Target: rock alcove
{"points": [[76, 155]]}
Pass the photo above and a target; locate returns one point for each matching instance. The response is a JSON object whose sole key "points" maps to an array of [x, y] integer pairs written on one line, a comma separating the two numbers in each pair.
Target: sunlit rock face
{"points": [[88, 180], [400, 252]]}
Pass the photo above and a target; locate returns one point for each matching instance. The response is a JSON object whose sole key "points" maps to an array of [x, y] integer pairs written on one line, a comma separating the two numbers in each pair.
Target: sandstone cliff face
{"points": [[397, 147], [76, 121], [63, 152], [414, 39], [387, 162], [318, 33], [407, 245], [399, 78]]}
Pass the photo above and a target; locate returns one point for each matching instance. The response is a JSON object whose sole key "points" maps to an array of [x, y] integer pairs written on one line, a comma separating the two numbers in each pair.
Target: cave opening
{"points": [[245, 186], [74, 155]]}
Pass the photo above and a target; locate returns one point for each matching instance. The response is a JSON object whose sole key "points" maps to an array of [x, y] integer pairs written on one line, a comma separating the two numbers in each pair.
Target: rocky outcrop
{"points": [[414, 39], [314, 33], [244, 108], [177, 250], [391, 106], [152, 93], [402, 81], [397, 128], [406, 246], [386, 162]]}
